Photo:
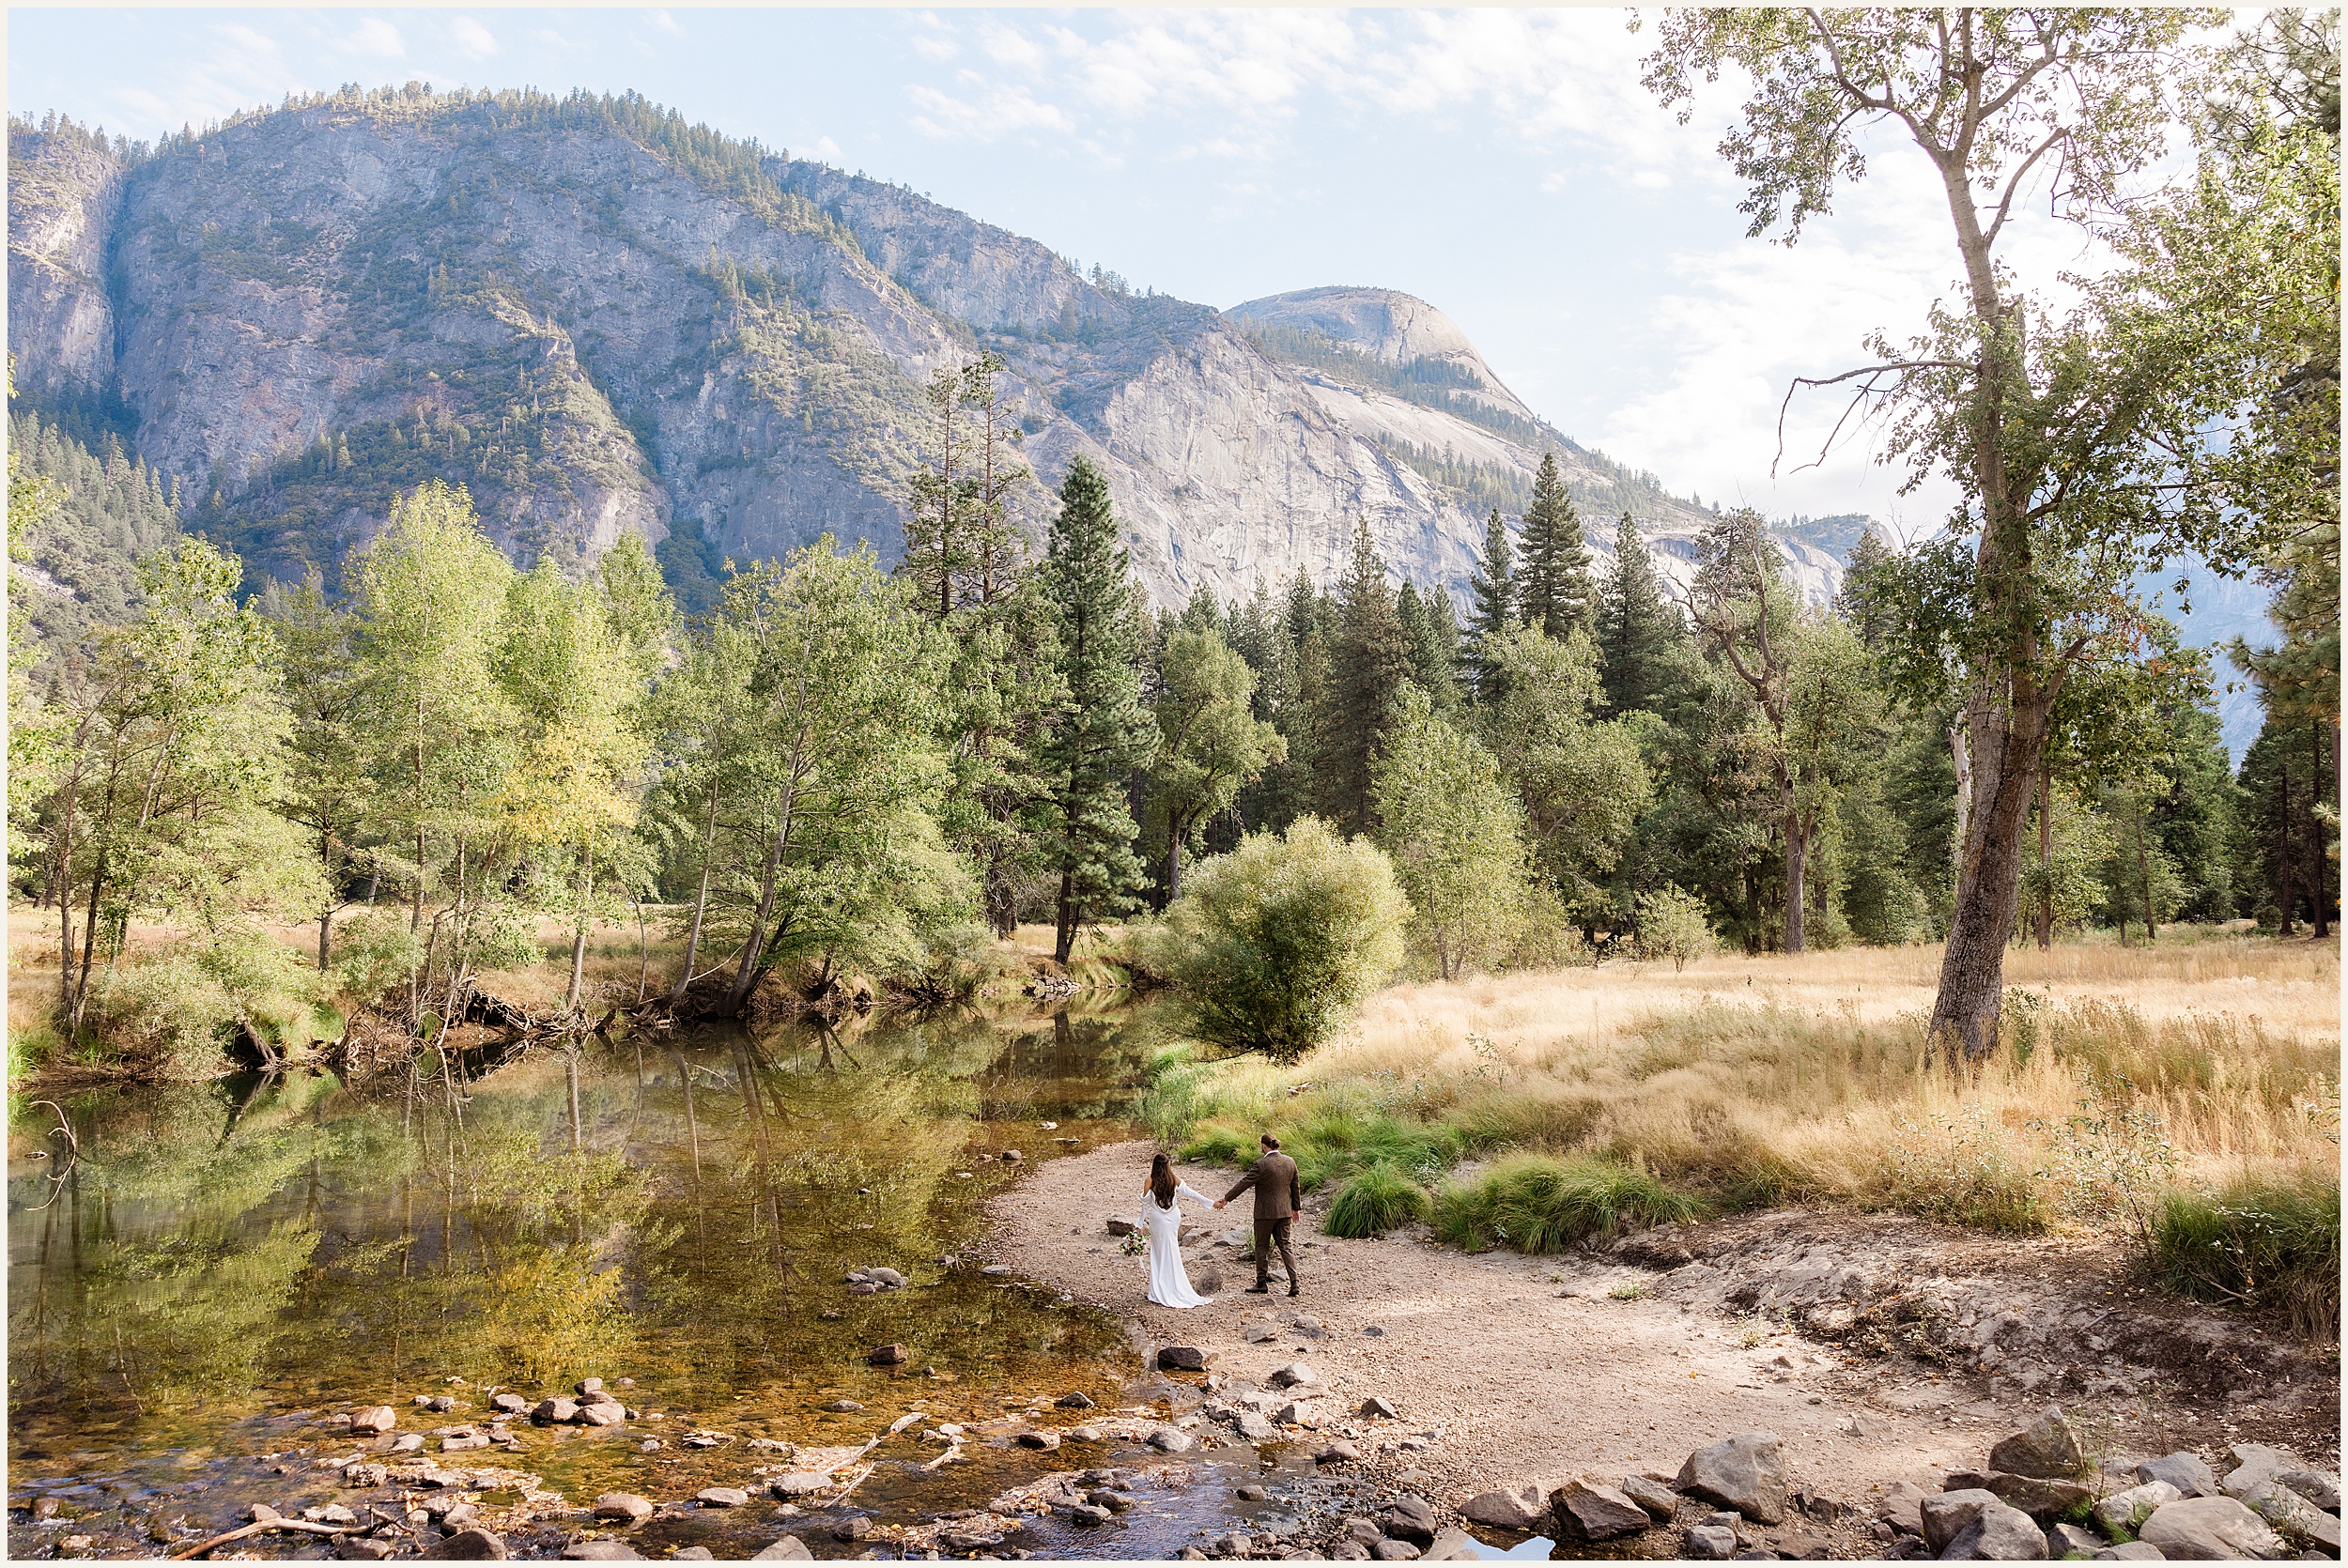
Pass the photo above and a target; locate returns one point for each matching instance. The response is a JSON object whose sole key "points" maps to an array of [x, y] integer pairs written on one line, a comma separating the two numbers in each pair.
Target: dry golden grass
{"points": [[1753, 1080]]}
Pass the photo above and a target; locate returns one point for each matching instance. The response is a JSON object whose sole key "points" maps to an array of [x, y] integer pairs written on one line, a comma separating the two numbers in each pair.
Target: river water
{"points": [[224, 1263]]}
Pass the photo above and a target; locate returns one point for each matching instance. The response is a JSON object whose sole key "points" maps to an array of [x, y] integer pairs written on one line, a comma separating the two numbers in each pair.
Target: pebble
{"points": [[842, 1407]]}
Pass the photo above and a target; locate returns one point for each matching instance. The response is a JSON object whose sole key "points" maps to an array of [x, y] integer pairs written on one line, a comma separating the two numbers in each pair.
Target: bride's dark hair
{"points": [[1162, 1181]]}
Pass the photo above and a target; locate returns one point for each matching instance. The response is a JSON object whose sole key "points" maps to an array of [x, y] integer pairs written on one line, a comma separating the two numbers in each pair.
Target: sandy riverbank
{"points": [[1522, 1370]]}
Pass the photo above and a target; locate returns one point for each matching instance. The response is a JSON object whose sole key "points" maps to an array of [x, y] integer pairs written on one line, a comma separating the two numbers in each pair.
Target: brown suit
{"points": [[1278, 1196]]}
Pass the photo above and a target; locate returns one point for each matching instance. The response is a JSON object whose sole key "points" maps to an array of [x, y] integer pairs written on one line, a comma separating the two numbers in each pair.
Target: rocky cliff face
{"points": [[603, 320]]}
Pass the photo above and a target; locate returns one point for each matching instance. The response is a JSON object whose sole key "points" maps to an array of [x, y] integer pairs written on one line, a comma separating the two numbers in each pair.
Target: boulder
{"points": [[622, 1505], [1710, 1543], [372, 1419], [1181, 1358], [789, 1549], [2298, 1521], [1348, 1551], [1120, 1502], [996, 1271], [2209, 1529], [554, 1411], [1999, 1533], [1257, 1427], [2043, 1501], [470, 1544], [2184, 1471], [365, 1475], [1389, 1550], [2130, 1551], [1074, 1402], [1298, 1412], [600, 1414], [1046, 1441], [1452, 1545], [511, 1404], [361, 1548], [588, 1385], [2046, 1449], [1660, 1502], [722, 1497], [1122, 1227], [1408, 1518], [2254, 1466], [1377, 1408], [2319, 1487], [1524, 1509], [1588, 1511], [2124, 1513], [1946, 1515], [1293, 1375], [887, 1355], [2070, 1541], [1745, 1473], [1339, 1452], [1090, 1514], [799, 1483], [601, 1551], [856, 1529], [1170, 1439], [1900, 1507]]}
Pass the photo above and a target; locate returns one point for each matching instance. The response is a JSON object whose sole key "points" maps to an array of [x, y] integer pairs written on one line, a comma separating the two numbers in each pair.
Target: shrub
{"points": [[1962, 1170], [1275, 944], [1377, 1199], [1672, 925], [2260, 1243], [1537, 1203]]}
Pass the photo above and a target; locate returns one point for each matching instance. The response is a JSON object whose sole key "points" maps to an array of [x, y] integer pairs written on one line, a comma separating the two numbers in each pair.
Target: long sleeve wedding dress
{"points": [[1169, 1285]]}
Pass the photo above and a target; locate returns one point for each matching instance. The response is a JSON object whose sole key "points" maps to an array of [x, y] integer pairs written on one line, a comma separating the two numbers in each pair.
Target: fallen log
{"points": [[256, 1528]]}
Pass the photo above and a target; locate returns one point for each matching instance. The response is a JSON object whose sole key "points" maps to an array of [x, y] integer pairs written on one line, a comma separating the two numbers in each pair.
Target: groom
{"points": [[1278, 1199]]}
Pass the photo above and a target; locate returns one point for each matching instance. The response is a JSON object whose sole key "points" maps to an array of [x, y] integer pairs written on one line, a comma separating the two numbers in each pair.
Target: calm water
{"points": [[224, 1260]]}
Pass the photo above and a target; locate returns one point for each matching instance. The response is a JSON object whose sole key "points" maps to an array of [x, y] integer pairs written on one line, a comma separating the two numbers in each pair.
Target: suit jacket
{"points": [[1278, 1195]]}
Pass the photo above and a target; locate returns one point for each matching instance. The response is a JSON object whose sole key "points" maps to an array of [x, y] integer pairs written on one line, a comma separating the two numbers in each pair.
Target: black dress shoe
{"points": [[1291, 1287], [1260, 1290]]}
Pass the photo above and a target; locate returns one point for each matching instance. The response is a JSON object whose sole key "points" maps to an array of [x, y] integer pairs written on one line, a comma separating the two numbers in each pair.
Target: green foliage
{"points": [[1555, 593], [1638, 627], [1455, 833], [1672, 925], [82, 520], [1375, 1201], [2263, 1242], [1210, 741], [1959, 1169], [1277, 942], [1537, 1203]]}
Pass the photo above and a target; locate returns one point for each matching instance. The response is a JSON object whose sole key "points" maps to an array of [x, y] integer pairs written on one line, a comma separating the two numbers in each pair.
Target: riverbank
{"points": [[1507, 1371]]}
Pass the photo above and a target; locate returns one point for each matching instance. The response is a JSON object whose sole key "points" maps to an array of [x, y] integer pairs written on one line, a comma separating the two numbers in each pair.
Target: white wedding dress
{"points": [[1170, 1287]]}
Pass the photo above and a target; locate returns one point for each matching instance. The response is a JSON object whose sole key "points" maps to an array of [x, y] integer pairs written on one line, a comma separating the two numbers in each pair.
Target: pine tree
{"points": [[1638, 627], [1371, 660], [1493, 585], [1433, 642], [1103, 732], [1556, 591]]}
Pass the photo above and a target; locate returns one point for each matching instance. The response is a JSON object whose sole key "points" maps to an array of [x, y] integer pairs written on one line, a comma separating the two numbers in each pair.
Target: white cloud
{"points": [[985, 116], [477, 41], [663, 21], [374, 35]]}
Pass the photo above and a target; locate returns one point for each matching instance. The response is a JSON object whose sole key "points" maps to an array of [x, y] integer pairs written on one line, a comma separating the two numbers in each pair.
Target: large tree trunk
{"points": [[2046, 858], [1064, 942], [2006, 750], [1174, 862], [701, 902], [2282, 773]]}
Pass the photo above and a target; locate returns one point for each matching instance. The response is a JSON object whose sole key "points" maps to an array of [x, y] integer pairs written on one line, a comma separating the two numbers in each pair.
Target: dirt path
{"points": [[1535, 1369]]}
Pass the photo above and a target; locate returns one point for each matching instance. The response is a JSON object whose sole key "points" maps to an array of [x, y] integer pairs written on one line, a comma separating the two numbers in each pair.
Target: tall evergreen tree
{"points": [[1432, 652], [1638, 627], [1492, 604], [1370, 659], [1556, 579], [1104, 732]]}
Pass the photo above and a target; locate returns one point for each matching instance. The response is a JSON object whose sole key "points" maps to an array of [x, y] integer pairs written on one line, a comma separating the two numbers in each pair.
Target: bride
{"points": [[1170, 1287]]}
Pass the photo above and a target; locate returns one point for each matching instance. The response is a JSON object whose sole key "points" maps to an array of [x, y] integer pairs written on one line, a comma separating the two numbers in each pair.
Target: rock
{"points": [[1524, 1509], [1408, 1518], [789, 1549], [1261, 1333], [360, 1548], [332, 1514], [460, 1516], [588, 1385], [1348, 1551], [600, 1414], [722, 1497], [798, 1484], [1745, 1473], [1170, 1439], [1292, 1375], [852, 1529], [1090, 1514], [995, 1270], [1946, 1515], [1121, 1503], [1257, 1427], [459, 1445], [1999, 1533], [2043, 1501], [1181, 1358], [887, 1355], [1593, 1512], [372, 1419], [1339, 1452], [2124, 1513], [601, 1551], [1453, 1546], [1082, 1435], [2184, 1471], [1014, 1156], [1122, 1227], [365, 1475], [1074, 1402], [1660, 1502], [622, 1505], [692, 1554], [2047, 1449], [1298, 1412], [1377, 1408], [843, 1406], [1392, 1550], [1047, 1441], [511, 1404], [2209, 1529], [888, 1278], [2300, 1521], [2130, 1551], [1710, 1543], [1900, 1507], [471, 1545], [554, 1411], [1308, 1326], [2070, 1541], [2319, 1487]]}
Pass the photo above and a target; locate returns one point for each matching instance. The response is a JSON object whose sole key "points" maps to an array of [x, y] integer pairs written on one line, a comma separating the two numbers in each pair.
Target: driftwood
{"points": [[256, 1528]]}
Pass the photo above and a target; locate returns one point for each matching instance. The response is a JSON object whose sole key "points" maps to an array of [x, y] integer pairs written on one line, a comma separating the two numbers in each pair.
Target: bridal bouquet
{"points": [[1135, 1244]]}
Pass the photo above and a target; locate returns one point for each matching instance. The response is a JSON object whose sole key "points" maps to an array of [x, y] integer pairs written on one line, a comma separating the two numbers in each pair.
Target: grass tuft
{"points": [[2266, 1241], [1375, 1201], [1537, 1203]]}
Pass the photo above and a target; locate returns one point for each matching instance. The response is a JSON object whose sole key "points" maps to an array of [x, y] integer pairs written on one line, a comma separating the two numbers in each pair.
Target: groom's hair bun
{"points": [[1270, 1142]]}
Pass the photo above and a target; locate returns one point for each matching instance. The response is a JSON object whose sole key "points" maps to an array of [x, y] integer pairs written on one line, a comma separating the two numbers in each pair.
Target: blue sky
{"points": [[1504, 164]]}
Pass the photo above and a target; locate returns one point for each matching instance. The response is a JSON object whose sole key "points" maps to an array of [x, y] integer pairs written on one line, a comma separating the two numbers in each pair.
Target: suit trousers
{"points": [[1267, 1233]]}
